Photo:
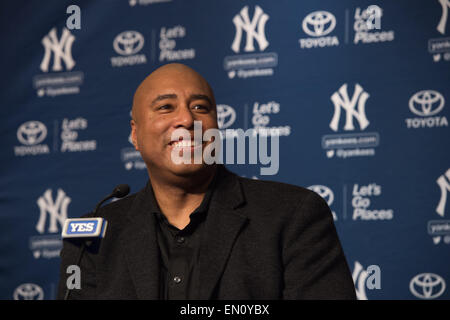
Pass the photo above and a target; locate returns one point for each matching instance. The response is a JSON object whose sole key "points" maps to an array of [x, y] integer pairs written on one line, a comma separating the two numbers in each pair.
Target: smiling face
{"points": [[172, 97]]}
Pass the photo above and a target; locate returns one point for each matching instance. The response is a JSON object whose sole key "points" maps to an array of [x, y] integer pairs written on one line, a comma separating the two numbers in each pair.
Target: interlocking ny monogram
{"points": [[62, 50], [444, 184], [57, 210], [443, 22], [342, 100], [254, 29]]}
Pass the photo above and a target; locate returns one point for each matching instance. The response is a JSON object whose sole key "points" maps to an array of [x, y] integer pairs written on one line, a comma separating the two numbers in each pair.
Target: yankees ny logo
{"points": [[359, 276], [341, 100], [444, 184], [57, 210], [443, 22], [62, 50], [254, 28]]}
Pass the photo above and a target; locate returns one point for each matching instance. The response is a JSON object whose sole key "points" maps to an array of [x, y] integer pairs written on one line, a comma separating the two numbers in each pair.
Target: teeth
{"points": [[184, 144]]}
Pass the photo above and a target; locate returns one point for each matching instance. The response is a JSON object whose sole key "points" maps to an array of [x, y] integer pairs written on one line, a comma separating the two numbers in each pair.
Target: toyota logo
{"points": [[319, 23], [225, 116], [28, 291], [324, 192], [426, 103], [31, 133], [427, 286], [128, 43]]}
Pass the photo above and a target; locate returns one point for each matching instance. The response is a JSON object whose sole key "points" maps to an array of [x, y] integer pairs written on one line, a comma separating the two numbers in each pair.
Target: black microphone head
{"points": [[121, 191]]}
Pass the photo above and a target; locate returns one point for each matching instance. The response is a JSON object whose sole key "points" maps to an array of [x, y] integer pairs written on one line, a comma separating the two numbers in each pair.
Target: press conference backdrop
{"points": [[357, 93]]}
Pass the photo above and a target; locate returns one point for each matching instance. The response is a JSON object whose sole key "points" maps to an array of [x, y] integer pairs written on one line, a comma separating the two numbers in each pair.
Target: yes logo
{"points": [[82, 227]]}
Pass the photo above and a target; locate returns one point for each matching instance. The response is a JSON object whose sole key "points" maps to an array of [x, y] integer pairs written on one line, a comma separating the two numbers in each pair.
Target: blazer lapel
{"points": [[222, 227], [141, 246]]}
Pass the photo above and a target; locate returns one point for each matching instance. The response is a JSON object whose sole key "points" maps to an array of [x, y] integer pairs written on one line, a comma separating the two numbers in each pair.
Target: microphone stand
{"points": [[120, 191]]}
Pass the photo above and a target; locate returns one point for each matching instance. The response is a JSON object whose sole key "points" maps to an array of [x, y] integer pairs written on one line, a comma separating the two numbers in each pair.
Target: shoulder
{"points": [[272, 190], [281, 198]]}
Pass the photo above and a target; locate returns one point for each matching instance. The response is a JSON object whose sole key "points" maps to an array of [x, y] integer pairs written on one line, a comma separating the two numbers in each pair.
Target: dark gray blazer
{"points": [[262, 240]]}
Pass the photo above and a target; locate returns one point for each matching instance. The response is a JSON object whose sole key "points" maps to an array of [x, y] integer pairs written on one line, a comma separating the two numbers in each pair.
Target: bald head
{"points": [[163, 80]]}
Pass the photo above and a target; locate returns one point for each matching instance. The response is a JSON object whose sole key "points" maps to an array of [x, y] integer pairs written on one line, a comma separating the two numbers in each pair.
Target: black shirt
{"points": [[180, 251]]}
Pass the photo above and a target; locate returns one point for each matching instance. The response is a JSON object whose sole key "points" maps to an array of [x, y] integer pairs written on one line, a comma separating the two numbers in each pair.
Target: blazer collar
{"points": [[222, 226], [141, 246]]}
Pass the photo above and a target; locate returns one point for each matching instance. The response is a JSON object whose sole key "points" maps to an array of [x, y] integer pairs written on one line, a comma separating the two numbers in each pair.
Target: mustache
{"points": [[195, 133], [197, 138]]}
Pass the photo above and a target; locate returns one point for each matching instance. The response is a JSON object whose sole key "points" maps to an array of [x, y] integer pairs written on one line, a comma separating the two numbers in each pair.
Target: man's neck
{"points": [[178, 200]]}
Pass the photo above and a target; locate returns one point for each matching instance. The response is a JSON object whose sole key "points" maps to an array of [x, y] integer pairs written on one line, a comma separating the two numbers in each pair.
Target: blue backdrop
{"points": [[356, 91]]}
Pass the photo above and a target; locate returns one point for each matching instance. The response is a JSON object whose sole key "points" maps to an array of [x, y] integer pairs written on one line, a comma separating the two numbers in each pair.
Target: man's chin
{"points": [[187, 170]]}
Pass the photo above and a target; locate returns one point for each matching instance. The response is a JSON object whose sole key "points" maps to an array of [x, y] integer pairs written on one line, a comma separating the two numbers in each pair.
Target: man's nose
{"points": [[184, 117]]}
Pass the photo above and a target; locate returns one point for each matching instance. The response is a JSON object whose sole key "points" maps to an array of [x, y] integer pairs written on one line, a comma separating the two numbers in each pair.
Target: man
{"points": [[197, 231]]}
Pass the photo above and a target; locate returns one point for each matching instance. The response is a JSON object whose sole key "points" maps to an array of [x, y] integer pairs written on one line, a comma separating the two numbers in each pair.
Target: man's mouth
{"points": [[184, 143]]}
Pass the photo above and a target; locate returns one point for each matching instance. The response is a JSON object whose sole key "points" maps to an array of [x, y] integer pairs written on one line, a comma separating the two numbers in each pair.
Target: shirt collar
{"points": [[197, 215]]}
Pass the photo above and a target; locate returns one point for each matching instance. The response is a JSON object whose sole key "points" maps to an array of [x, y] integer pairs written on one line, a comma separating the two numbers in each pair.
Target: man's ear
{"points": [[133, 134]]}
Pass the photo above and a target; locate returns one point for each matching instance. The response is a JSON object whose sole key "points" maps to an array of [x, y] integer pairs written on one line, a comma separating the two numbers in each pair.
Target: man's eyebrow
{"points": [[174, 96], [163, 97], [201, 97]]}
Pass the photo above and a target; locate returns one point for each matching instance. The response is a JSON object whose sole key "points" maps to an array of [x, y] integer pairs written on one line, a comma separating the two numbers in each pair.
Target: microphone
{"points": [[90, 228], [119, 191]]}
